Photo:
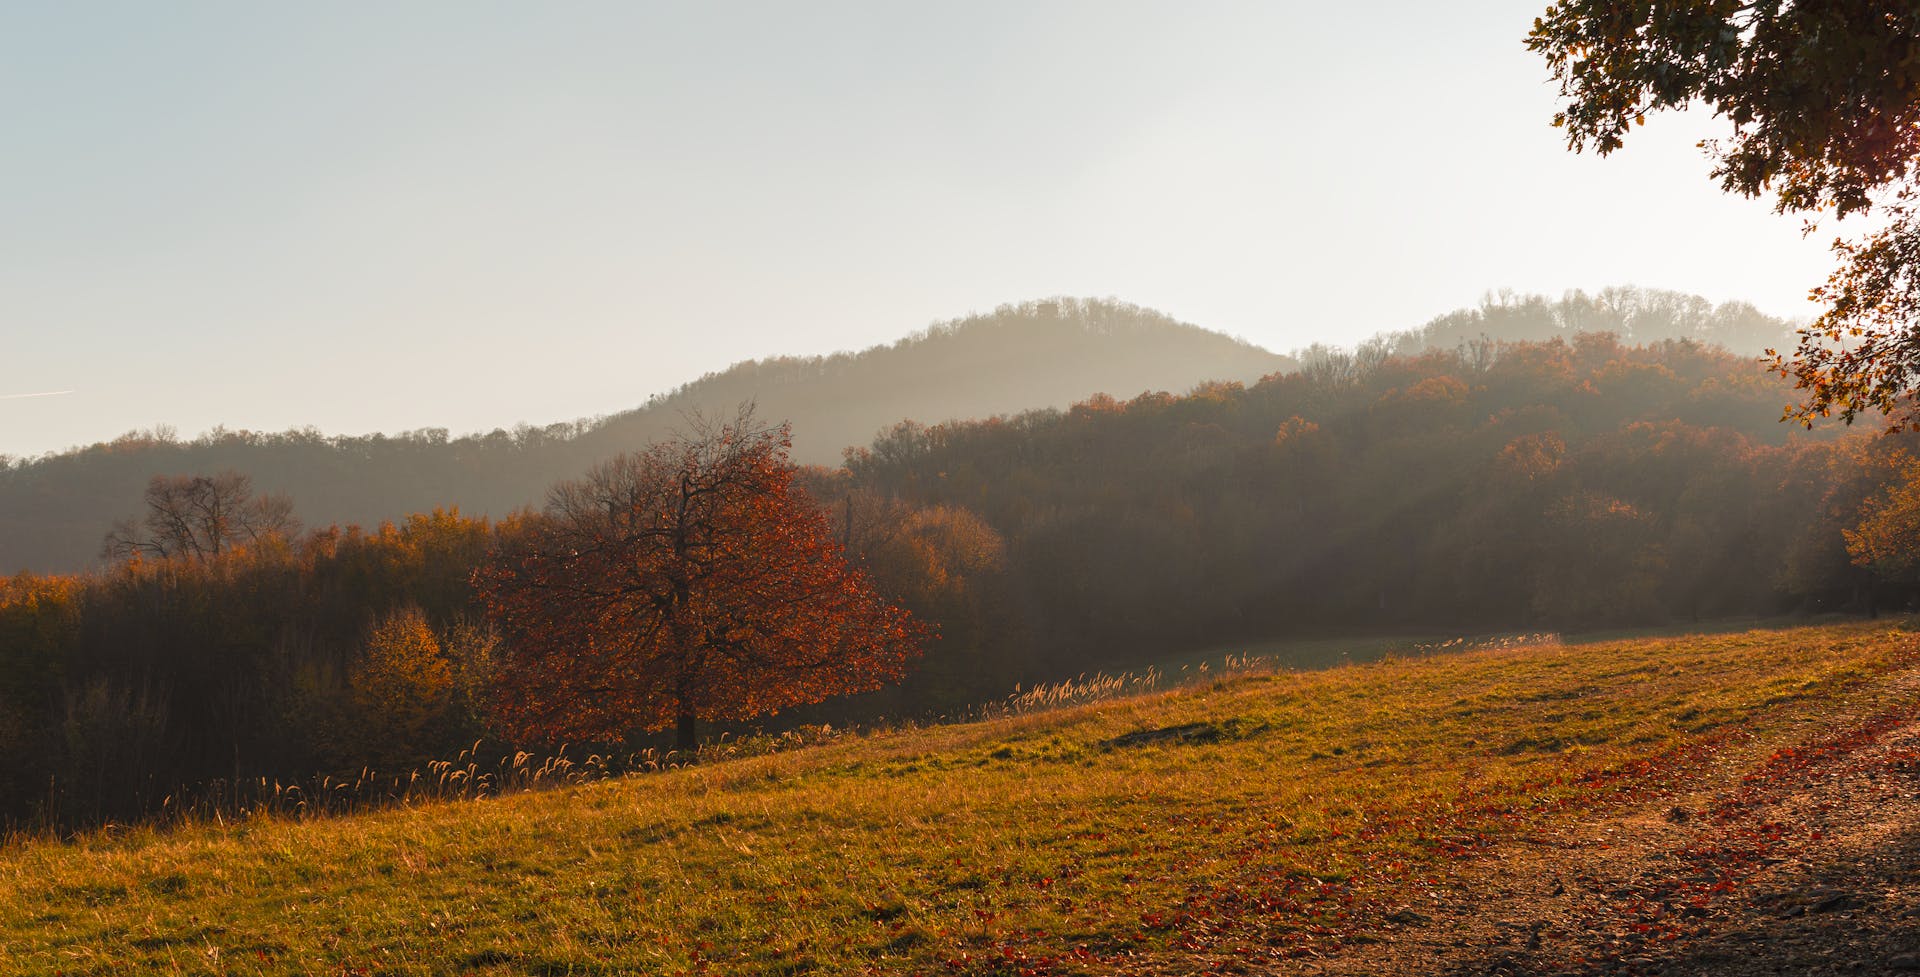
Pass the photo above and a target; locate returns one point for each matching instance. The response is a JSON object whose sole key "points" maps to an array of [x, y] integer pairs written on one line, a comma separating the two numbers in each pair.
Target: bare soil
{"points": [[1803, 862]]}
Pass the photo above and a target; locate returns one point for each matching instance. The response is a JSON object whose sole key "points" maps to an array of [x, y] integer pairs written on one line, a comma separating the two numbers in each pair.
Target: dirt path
{"points": [[1805, 863]]}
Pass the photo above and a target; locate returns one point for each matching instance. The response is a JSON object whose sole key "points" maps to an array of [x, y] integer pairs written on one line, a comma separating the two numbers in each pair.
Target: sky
{"points": [[382, 217]]}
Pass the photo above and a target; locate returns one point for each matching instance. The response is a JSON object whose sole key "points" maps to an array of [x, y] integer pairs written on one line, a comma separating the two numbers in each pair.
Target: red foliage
{"points": [[692, 581]]}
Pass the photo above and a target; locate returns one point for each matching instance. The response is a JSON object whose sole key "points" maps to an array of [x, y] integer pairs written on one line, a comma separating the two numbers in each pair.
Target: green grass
{"points": [[1306, 809]]}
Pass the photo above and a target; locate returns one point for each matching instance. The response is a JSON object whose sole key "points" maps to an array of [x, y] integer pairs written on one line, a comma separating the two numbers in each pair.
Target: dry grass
{"points": [[1271, 815]]}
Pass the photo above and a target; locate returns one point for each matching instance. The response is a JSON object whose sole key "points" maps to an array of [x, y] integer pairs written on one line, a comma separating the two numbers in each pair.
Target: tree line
{"points": [[1636, 315], [691, 583], [1568, 484], [1054, 352], [1565, 484], [53, 509]]}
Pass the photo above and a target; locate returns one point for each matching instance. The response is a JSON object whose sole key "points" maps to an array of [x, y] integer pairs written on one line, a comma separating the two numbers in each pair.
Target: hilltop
{"points": [[55, 510], [1632, 806], [1033, 356], [1634, 315]]}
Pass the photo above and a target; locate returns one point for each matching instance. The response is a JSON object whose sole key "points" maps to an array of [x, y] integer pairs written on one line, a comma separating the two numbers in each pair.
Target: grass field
{"points": [[1221, 826]]}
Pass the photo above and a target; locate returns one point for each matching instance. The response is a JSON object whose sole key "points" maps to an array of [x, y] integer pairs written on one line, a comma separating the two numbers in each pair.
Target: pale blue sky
{"points": [[382, 217]]}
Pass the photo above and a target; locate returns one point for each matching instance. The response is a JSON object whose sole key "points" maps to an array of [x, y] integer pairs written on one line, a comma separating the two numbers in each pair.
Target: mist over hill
{"points": [[55, 510], [1050, 353], [1634, 315]]}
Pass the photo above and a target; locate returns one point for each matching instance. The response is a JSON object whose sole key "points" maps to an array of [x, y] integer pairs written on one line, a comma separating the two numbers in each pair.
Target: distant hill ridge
{"points": [[1637, 315], [1049, 353]]}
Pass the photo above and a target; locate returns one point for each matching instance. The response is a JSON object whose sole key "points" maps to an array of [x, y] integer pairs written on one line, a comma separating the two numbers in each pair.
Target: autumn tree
{"points": [[1823, 100], [40, 623], [689, 582], [401, 682], [1886, 540], [200, 516]]}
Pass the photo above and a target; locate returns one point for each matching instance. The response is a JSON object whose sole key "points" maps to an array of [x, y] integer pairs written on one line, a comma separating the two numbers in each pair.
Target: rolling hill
{"points": [[55, 510], [1636, 316], [1627, 807]]}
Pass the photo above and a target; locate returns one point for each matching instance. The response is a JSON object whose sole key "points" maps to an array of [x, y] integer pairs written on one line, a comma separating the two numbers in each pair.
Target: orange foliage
{"points": [[1293, 428], [1533, 456], [689, 582], [1437, 390]]}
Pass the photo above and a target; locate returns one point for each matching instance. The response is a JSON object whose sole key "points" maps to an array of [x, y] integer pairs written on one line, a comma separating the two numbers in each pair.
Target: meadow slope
{"points": [[1608, 807]]}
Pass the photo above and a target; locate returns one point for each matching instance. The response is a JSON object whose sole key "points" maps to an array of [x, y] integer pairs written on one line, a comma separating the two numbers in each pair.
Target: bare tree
{"points": [[199, 517]]}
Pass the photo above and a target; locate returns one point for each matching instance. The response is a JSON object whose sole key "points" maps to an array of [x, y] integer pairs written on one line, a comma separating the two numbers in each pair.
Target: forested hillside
{"points": [[1636, 315], [1560, 484], [55, 510], [1531, 486]]}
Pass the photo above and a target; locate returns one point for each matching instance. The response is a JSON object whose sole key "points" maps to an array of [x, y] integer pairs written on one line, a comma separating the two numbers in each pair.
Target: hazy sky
{"points": [[465, 215]]}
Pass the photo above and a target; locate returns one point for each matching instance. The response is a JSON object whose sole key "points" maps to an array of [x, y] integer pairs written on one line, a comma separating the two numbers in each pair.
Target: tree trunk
{"points": [[686, 735]]}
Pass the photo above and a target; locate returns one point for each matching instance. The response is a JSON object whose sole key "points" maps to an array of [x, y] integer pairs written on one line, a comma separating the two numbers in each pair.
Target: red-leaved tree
{"points": [[690, 582]]}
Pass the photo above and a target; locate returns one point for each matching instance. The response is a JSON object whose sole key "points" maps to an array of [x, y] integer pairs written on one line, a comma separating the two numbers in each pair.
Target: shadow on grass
{"points": [[1856, 915]]}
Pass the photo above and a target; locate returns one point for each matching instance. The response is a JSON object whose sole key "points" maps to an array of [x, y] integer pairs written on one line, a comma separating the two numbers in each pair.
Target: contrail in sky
{"points": [[46, 393]]}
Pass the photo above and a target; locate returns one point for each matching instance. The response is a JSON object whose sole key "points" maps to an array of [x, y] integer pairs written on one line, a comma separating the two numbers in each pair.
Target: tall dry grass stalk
{"points": [[477, 772]]}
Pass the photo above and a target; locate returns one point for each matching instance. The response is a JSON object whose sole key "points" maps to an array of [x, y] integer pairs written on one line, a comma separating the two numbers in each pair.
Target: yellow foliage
{"points": [[39, 616], [402, 682], [935, 552], [1887, 538]]}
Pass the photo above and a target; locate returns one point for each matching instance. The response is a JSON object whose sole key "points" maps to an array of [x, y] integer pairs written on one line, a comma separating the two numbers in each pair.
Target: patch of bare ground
{"points": [[1804, 861]]}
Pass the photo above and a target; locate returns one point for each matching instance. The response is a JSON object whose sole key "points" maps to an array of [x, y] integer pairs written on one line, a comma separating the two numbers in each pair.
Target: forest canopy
{"points": [[1052, 353], [1574, 483]]}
